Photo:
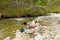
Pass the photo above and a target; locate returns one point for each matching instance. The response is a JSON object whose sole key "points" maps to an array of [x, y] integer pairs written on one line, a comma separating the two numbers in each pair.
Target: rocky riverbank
{"points": [[49, 30]]}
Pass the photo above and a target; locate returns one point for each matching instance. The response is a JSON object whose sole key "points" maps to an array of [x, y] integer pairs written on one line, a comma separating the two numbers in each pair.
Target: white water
{"points": [[50, 32]]}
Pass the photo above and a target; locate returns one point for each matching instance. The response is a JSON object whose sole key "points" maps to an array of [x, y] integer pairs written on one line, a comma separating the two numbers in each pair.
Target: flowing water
{"points": [[50, 26]]}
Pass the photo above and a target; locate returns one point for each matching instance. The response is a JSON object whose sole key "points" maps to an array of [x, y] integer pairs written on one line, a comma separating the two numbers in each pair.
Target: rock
{"points": [[50, 32], [18, 19], [29, 30], [38, 36], [57, 37], [7, 38], [55, 15]]}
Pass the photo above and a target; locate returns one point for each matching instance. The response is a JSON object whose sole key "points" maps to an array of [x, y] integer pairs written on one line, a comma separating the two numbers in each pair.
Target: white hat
{"points": [[32, 23]]}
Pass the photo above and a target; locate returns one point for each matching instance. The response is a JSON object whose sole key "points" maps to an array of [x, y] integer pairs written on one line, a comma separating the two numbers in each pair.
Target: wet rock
{"points": [[57, 37], [7, 38], [19, 19]]}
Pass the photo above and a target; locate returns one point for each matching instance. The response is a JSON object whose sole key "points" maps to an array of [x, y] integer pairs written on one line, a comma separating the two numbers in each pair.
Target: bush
{"points": [[36, 11]]}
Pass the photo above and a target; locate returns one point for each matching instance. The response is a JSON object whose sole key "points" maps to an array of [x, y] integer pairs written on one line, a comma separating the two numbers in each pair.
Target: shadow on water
{"points": [[26, 16]]}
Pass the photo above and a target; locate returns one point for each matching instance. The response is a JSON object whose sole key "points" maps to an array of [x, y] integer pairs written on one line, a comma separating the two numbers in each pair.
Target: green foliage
{"points": [[40, 11], [44, 2], [28, 11], [35, 11], [28, 7], [12, 11], [38, 3], [5, 3]]}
